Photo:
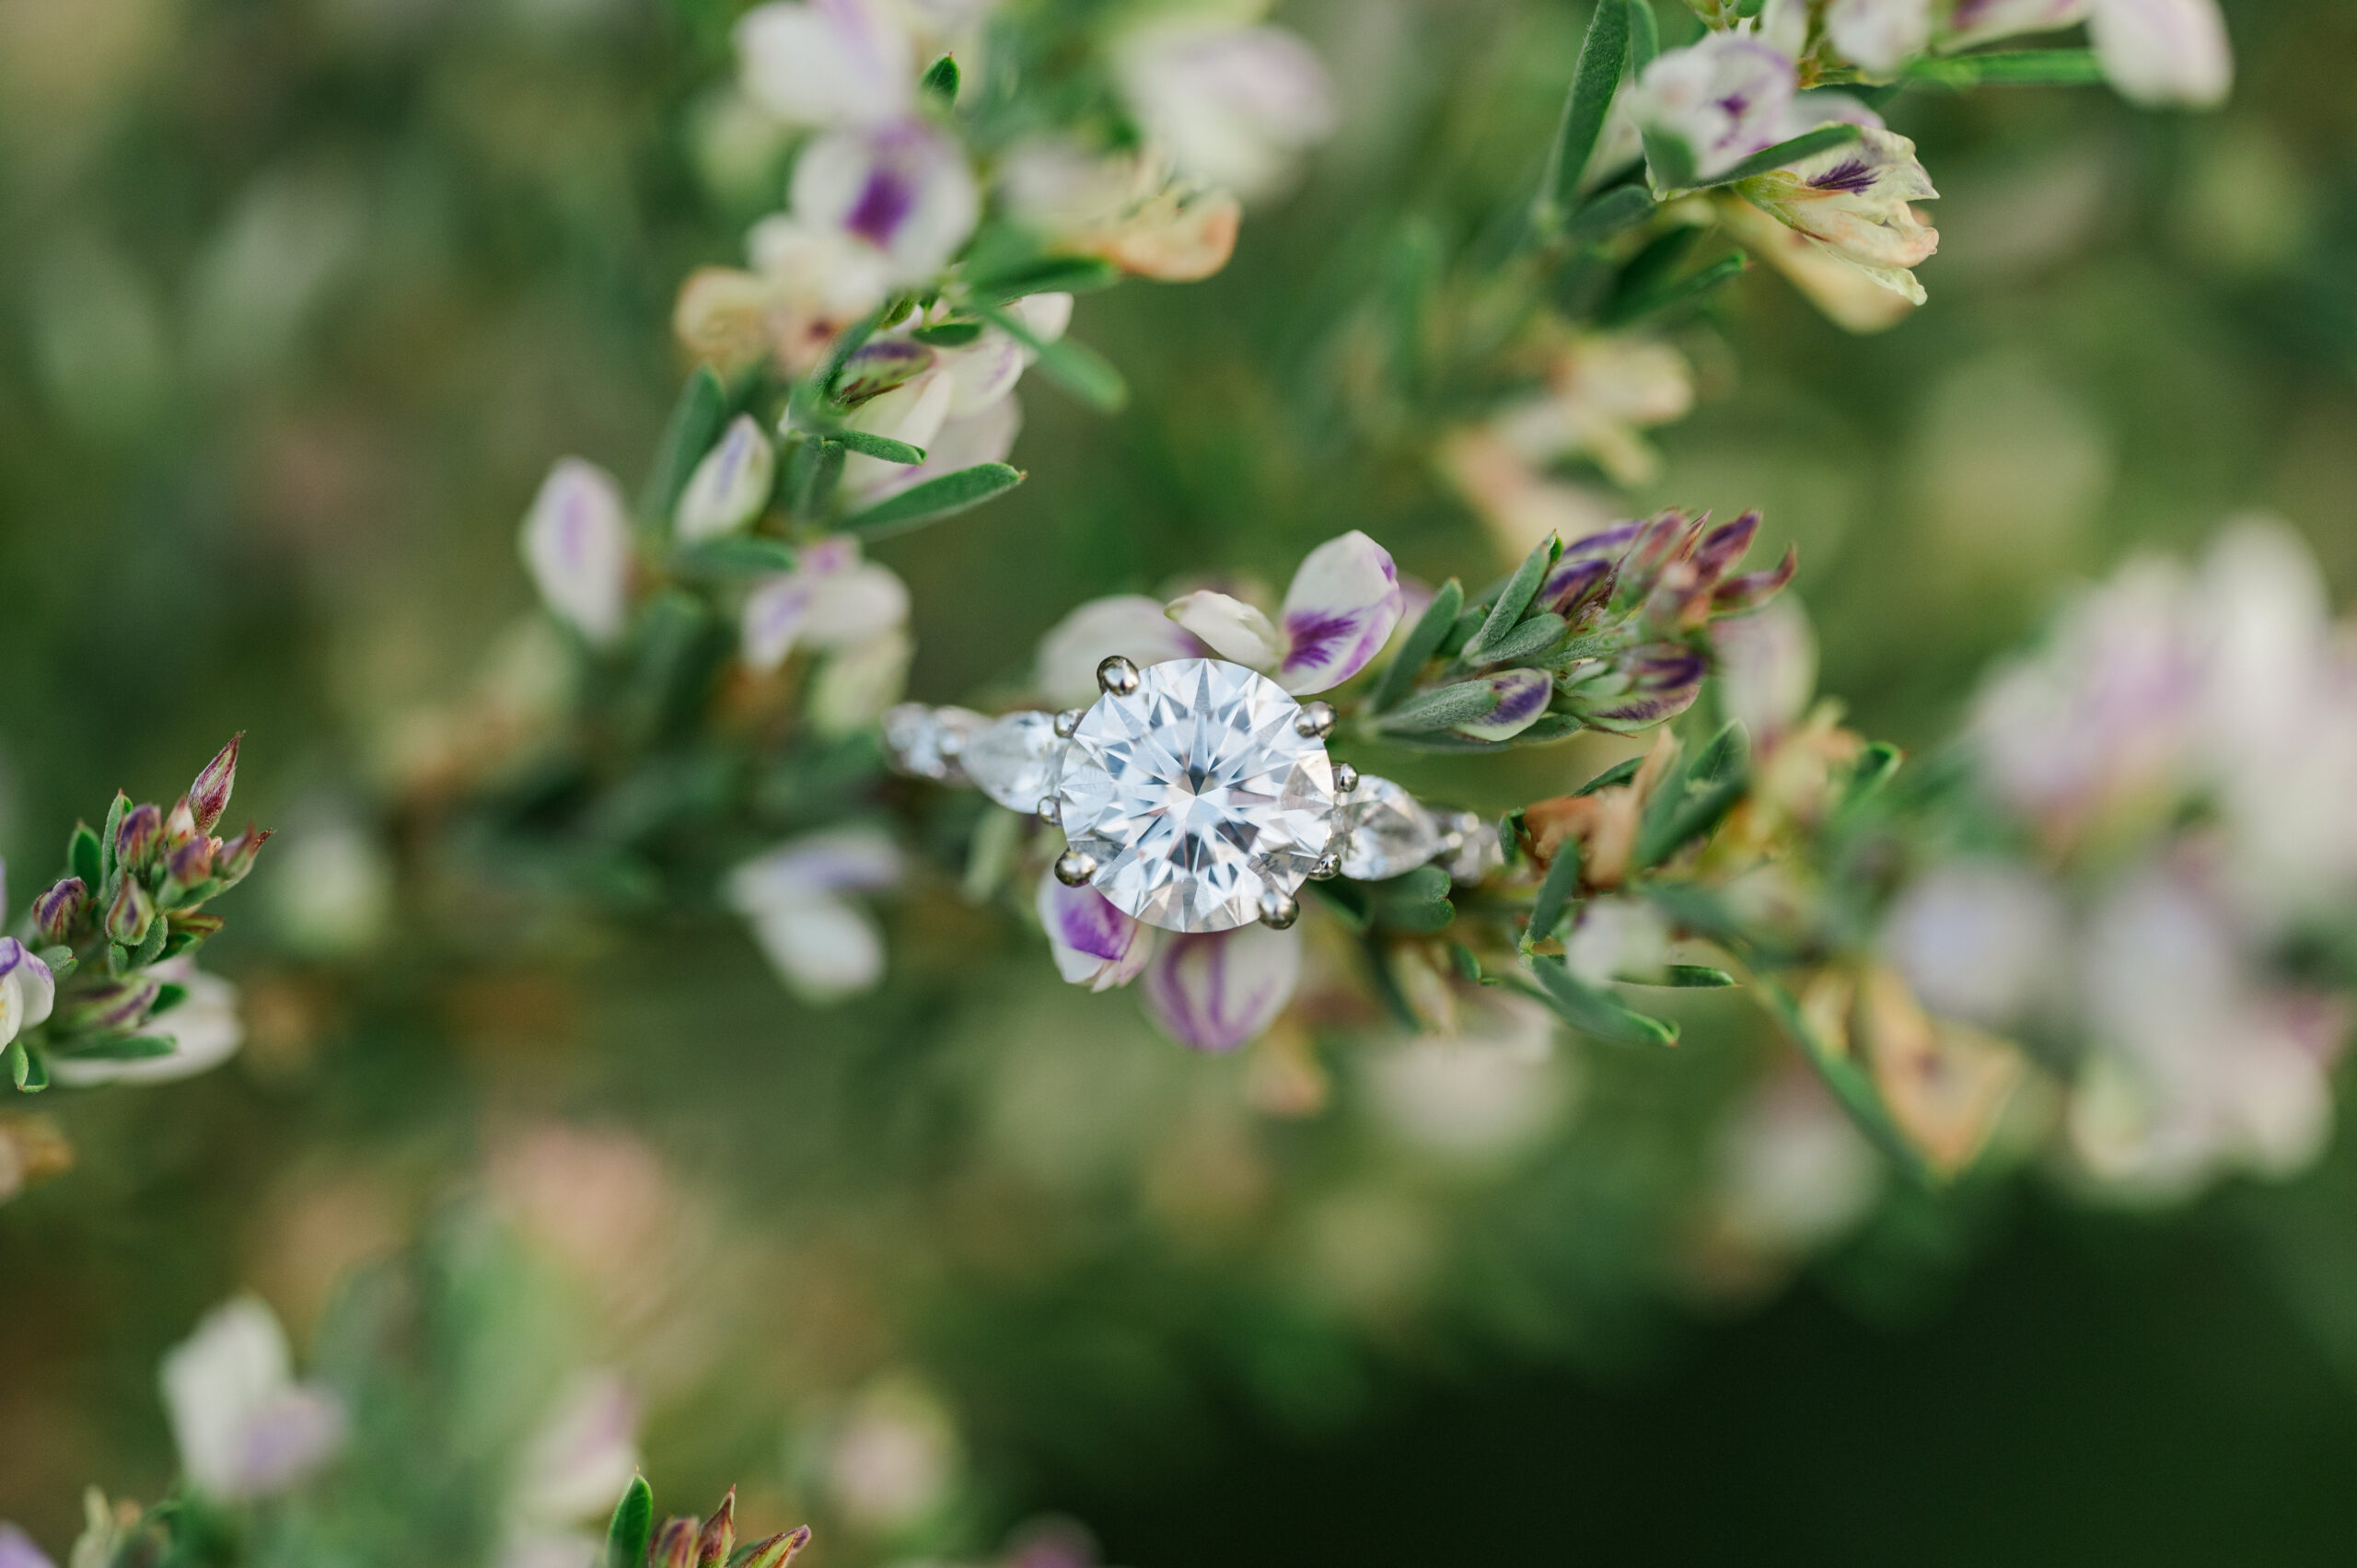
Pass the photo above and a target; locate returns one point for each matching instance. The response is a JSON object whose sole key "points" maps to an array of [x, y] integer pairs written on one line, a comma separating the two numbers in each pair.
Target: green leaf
{"points": [[1545, 728], [633, 1523], [20, 1064], [742, 555], [1670, 295], [1623, 206], [1351, 903], [936, 499], [940, 80], [1877, 763], [2025, 68], [1670, 161], [82, 857], [1808, 144], [120, 1047], [1416, 902], [1644, 37], [1079, 369], [167, 996], [1466, 962], [34, 1076], [1592, 1012], [1514, 598], [1619, 774], [107, 841], [1555, 890], [1693, 977], [812, 471], [1690, 804], [949, 335], [693, 426], [1527, 643], [1430, 711], [151, 946], [1049, 274], [1421, 644], [851, 340], [882, 447], [1594, 80]]}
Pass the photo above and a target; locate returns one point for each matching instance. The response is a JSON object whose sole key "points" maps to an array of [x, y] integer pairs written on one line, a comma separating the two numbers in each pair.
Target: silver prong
{"points": [[1067, 722], [1279, 911], [1117, 676], [1051, 811], [1329, 866], [1315, 722], [1074, 868], [1346, 778]]}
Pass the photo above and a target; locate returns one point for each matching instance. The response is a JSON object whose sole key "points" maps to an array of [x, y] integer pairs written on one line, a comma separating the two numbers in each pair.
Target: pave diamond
{"points": [[1195, 796], [1386, 833], [1013, 761], [924, 742]]}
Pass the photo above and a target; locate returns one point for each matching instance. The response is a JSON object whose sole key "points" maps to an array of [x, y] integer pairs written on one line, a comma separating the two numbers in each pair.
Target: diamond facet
{"points": [[1196, 796], [1013, 761], [926, 742], [1387, 831]]}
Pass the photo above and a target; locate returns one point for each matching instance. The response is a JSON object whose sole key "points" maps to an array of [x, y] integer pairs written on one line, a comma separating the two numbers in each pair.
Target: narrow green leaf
{"points": [[1644, 37], [1079, 369], [812, 473], [1845, 1078], [1671, 161], [1527, 643], [1623, 206], [940, 80], [106, 841], [1048, 275], [1692, 286], [936, 499], [882, 447], [2025, 68], [847, 342], [151, 946], [1691, 804], [949, 335], [1516, 596], [168, 997], [741, 555], [35, 1077], [82, 857], [1545, 728], [1555, 890], [1877, 763], [1416, 902], [1592, 1012], [1594, 80], [1619, 774], [120, 1047], [634, 1522], [1693, 977], [1421, 644], [1466, 962], [20, 1063], [1808, 144], [1438, 710], [693, 426]]}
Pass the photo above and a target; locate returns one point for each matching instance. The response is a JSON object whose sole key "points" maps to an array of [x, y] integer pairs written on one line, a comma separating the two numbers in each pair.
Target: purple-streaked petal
{"points": [[288, 1439], [1725, 97], [1229, 627], [1752, 589], [903, 190], [1221, 990], [1130, 624], [1095, 945], [730, 486], [1608, 543], [1338, 615], [775, 614], [832, 860], [1656, 682], [1521, 697], [878, 366], [576, 543], [1580, 587], [825, 949], [1723, 546]]}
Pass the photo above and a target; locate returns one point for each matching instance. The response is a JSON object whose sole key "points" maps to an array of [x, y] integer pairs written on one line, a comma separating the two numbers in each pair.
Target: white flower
{"points": [[730, 486], [1130, 624], [28, 989], [576, 544], [1236, 106], [1127, 208], [1095, 945], [1616, 939], [1854, 200], [1705, 109], [1219, 989], [808, 284], [1767, 669], [244, 1427], [828, 62], [1847, 297], [1339, 612], [901, 188], [823, 946], [204, 1027], [1793, 1172], [1602, 389], [852, 689], [894, 1457], [1979, 940], [2160, 52], [572, 1469], [1879, 35], [832, 600]]}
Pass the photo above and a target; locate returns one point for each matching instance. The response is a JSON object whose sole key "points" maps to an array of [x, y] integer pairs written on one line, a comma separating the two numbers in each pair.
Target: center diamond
{"points": [[1195, 795]]}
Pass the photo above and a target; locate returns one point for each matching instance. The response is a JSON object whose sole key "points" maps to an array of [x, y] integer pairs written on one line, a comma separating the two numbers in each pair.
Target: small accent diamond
{"points": [[1386, 833], [1013, 761]]}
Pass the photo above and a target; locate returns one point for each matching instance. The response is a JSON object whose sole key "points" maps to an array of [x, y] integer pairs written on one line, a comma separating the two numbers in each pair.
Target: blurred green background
{"points": [[298, 299]]}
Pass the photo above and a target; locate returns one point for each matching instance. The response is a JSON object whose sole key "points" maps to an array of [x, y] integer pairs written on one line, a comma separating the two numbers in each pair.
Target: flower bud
{"points": [[779, 1550], [179, 825], [675, 1545], [59, 911], [135, 839], [131, 913], [236, 857], [115, 1004], [193, 923], [718, 1537], [730, 486], [1641, 688], [190, 864], [209, 795]]}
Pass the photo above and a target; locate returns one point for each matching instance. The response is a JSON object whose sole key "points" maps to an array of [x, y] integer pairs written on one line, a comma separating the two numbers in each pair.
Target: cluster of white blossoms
{"points": [[2181, 755]]}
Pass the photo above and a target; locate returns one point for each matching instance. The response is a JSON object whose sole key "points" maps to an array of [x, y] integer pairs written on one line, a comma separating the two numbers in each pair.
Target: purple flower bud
{"points": [[675, 1545], [1668, 538], [179, 825], [131, 913], [236, 857], [59, 911], [135, 839], [718, 1537], [1642, 688], [190, 864], [1577, 589], [779, 1550], [116, 1004], [209, 795], [1219, 989], [1752, 589], [879, 365]]}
